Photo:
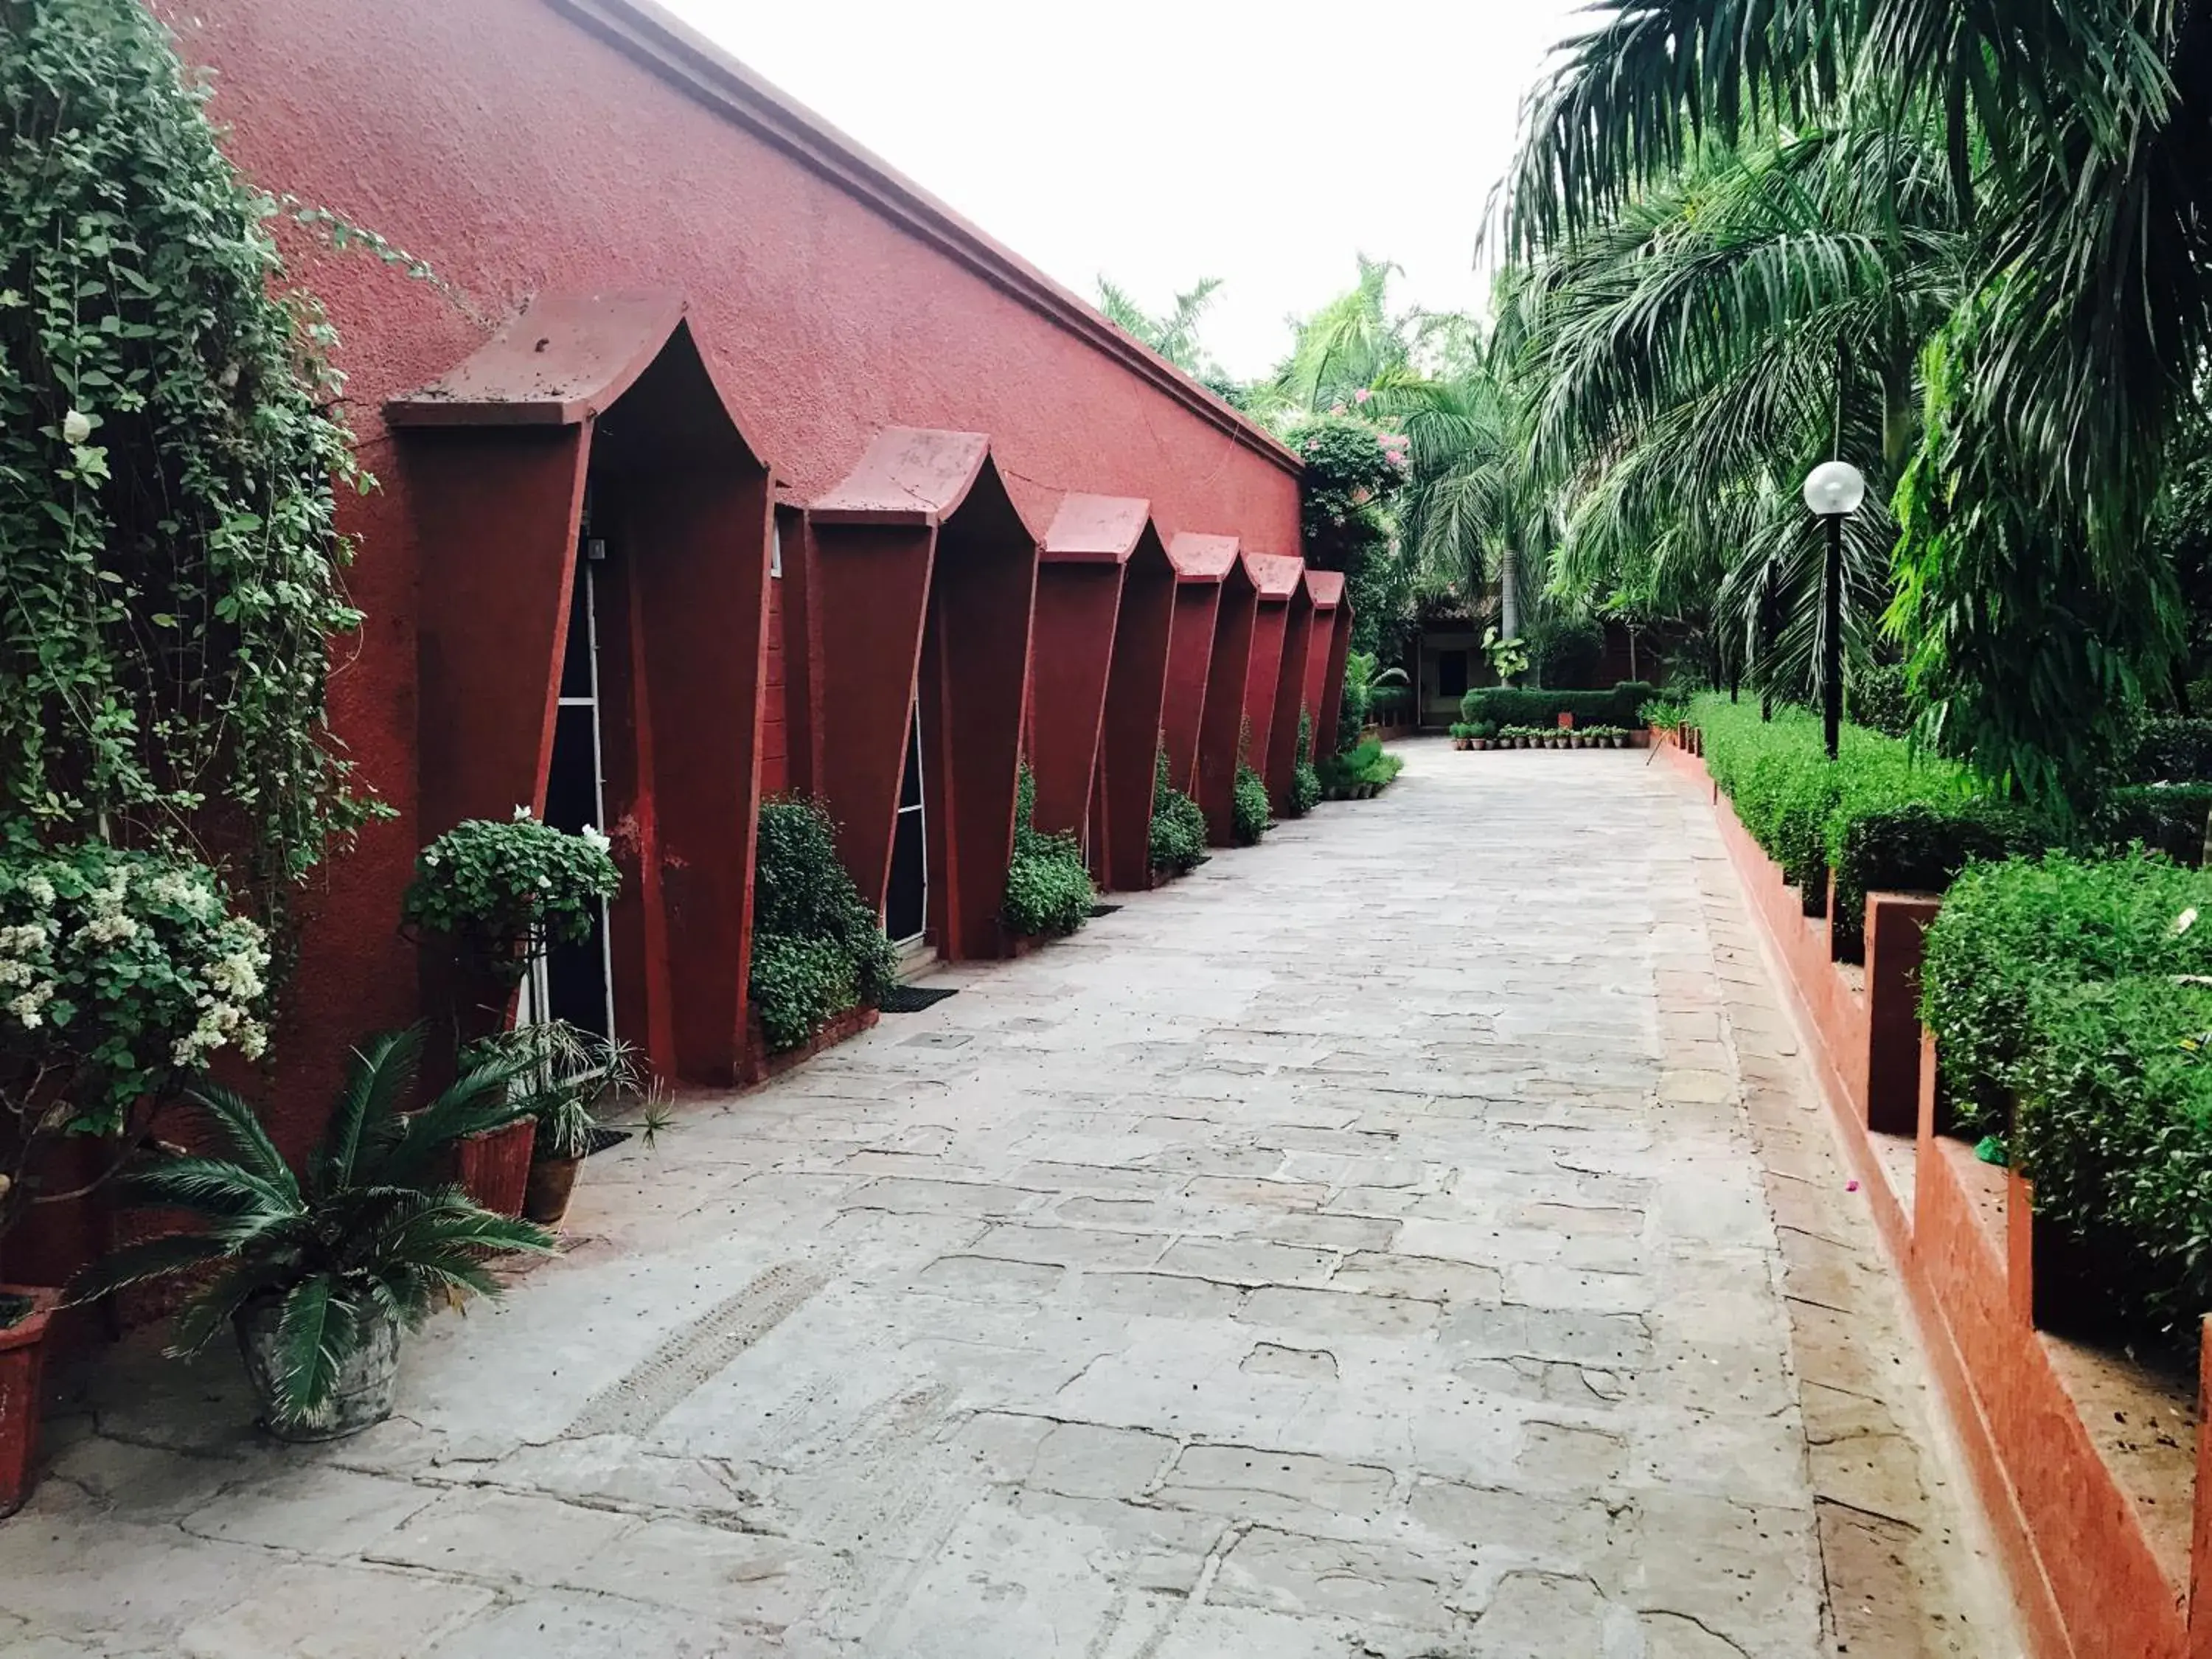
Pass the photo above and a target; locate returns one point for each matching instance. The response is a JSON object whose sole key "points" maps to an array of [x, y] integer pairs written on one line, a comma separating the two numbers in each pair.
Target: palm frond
{"points": [[378, 1081], [246, 1135]]}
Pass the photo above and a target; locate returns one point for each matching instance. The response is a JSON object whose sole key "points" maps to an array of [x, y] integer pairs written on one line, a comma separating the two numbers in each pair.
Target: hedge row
{"points": [[2082, 990], [1882, 816], [1507, 705]]}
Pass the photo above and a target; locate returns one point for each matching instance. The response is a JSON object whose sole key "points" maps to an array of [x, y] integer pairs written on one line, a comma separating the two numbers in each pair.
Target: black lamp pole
{"points": [[1831, 639]]}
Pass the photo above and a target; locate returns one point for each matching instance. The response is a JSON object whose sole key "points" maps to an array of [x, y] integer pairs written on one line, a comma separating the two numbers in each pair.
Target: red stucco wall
{"points": [[517, 152]]}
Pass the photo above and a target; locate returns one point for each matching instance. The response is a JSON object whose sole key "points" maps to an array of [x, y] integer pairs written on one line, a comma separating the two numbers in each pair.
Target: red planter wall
{"points": [[1201, 563], [2086, 1572]]}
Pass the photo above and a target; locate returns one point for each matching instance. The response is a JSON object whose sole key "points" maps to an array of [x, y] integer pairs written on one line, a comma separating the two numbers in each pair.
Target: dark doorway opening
{"points": [[906, 902], [577, 980]]}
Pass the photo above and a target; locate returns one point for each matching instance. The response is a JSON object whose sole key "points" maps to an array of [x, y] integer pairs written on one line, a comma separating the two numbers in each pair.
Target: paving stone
{"points": [[1171, 1293]]}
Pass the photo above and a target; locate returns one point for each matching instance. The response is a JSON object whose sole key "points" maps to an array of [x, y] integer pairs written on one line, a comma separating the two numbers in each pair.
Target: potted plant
{"points": [[1482, 732], [320, 1277], [1462, 735], [567, 1072], [504, 894], [123, 975]]}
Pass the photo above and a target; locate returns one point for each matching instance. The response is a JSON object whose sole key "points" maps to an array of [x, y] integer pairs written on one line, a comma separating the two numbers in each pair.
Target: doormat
{"points": [[913, 999], [602, 1140], [1099, 910]]}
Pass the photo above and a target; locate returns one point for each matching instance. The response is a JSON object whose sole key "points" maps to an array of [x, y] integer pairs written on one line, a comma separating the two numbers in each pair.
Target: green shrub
{"points": [[1369, 766], [2169, 818], [1389, 699], [507, 891], [1881, 816], [2115, 1130], [2175, 751], [1878, 698], [1248, 809], [1506, 705], [1305, 781], [1048, 889], [2008, 933], [1178, 825], [818, 949]]}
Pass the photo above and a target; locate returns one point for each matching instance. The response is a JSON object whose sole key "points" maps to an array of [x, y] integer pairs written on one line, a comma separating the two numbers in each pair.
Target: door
{"points": [[906, 903], [577, 980]]}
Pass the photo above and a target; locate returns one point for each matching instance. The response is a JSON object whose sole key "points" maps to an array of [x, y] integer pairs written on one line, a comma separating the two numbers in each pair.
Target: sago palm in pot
{"points": [[320, 1275]]}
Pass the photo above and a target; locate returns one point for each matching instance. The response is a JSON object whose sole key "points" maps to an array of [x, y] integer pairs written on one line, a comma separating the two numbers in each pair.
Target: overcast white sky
{"points": [[1160, 141]]}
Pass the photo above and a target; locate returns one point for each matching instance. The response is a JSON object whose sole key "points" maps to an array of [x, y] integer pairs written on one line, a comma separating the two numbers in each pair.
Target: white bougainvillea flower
{"points": [[523, 815], [594, 839], [2184, 921], [77, 427]]}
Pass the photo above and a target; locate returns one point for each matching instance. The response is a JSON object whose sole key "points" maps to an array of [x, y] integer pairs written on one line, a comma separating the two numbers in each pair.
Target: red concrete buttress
{"points": [[1325, 657], [1078, 602], [1290, 695], [1277, 577], [1136, 689], [1200, 562], [1221, 729], [921, 589], [608, 390]]}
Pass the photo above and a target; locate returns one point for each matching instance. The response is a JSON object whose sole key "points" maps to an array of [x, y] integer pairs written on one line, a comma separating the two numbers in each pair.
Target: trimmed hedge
{"points": [[1508, 705], [2115, 1130], [1249, 812], [2012, 932], [1883, 815]]}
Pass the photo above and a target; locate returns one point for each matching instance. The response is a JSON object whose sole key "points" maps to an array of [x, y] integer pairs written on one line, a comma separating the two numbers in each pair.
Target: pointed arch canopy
{"points": [[1331, 642], [492, 459], [924, 577], [1200, 561]]}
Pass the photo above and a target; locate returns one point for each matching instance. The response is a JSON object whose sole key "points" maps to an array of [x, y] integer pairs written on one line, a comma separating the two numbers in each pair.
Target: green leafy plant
{"points": [[504, 892], [371, 1236], [2008, 933], [1178, 830], [123, 976], [1509, 659], [171, 463], [1048, 890], [2174, 750], [1249, 812], [2175, 819], [818, 949], [1305, 781], [566, 1071], [1364, 770]]}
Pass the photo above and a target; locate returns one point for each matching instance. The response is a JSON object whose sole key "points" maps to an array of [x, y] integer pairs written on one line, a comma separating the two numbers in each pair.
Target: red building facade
{"points": [[717, 438]]}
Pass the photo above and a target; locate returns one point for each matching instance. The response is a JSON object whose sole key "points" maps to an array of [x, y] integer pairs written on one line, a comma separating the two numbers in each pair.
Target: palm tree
{"points": [[2076, 159], [1174, 332], [1698, 351]]}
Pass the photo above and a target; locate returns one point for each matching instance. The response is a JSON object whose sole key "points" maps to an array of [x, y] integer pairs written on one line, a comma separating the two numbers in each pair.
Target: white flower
{"points": [[40, 890], [76, 426], [2184, 922], [432, 857], [594, 840], [523, 815]]}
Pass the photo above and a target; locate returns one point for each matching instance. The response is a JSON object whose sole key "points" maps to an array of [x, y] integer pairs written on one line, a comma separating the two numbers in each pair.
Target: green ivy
{"points": [[168, 465], [818, 949], [1049, 891], [504, 892], [1353, 470]]}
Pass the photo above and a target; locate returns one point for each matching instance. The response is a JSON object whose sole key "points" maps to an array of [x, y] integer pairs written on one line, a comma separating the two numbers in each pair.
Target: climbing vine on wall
{"points": [[169, 461]]}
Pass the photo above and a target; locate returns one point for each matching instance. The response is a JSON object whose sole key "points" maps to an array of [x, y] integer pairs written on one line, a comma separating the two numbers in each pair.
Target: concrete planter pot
{"points": [[494, 1167], [368, 1380], [552, 1185], [22, 1369]]}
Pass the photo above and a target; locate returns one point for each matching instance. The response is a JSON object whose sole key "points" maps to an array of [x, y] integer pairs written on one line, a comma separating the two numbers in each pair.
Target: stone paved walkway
{"points": [[1411, 1237]]}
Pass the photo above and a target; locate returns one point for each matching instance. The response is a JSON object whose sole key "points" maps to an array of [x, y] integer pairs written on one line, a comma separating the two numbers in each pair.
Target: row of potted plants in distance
{"points": [[1482, 734]]}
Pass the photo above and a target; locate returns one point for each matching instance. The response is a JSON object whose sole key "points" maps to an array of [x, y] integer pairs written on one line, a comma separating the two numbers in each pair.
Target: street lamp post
{"points": [[1833, 492]]}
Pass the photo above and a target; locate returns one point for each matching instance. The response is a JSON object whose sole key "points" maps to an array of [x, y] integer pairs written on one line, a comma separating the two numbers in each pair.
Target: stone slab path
{"points": [[1412, 1238]]}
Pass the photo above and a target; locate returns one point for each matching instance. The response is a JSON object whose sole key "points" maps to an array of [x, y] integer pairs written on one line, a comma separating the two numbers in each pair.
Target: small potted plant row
{"points": [[1549, 737], [1473, 734]]}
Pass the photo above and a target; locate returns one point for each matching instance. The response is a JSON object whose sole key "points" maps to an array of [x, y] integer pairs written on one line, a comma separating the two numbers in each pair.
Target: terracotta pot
{"points": [[368, 1376], [494, 1166], [22, 1367], [552, 1184]]}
